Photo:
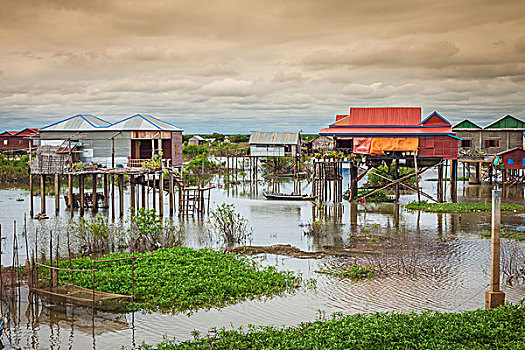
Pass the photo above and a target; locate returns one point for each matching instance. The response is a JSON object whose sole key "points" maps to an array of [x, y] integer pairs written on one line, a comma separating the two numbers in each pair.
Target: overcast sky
{"points": [[236, 66]]}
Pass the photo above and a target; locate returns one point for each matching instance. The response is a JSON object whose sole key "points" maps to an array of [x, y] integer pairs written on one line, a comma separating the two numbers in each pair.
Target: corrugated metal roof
{"points": [[79, 122], [381, 116], [385, 130], [143, 122], [274, 138]]}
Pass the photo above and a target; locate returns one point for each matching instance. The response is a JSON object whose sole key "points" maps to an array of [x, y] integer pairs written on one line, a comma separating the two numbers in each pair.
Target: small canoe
{"points": [[288, 197]]}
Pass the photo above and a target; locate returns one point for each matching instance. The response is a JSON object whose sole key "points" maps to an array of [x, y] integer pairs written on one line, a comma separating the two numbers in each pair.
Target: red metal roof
{"points": [[27, 132], [386, 131], [381, 116], [511, 150]]}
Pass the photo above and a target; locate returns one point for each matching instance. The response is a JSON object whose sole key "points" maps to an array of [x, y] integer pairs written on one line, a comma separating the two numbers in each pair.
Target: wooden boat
{"points": [[288, 197]]}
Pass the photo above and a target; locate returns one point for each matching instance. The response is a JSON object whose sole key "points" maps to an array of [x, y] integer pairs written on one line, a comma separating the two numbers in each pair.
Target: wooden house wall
{"points": [[438, 146], [14, 142], [514, 159], [176, 148], [96, 145]]}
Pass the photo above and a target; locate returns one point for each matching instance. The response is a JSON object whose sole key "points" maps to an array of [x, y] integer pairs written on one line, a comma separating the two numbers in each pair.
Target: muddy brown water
{"points": [[453, 267]]}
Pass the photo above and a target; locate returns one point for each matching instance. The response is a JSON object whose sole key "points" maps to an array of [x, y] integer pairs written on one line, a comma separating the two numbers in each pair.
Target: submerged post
{"points": [[495, 297], [121, 194]]}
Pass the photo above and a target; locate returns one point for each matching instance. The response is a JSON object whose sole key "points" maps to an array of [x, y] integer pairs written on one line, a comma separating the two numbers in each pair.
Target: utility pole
{"points": [[495, 297]]}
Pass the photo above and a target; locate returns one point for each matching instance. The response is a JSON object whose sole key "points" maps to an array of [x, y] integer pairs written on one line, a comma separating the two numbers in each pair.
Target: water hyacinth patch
{"points": [[180, 278], [461, 207], [500, 328]]}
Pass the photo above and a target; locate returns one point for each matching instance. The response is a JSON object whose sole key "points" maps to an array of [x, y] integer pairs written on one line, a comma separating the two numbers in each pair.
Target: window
{"points": [[523, 161], [510, 161], [466, 143], [430, 142], [491, 143], [5, 142]]}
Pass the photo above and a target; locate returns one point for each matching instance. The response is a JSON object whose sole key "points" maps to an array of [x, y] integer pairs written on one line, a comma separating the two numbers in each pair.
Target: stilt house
{"points": [[126, 143], [505, 133], [275, 144], [388, 131]]}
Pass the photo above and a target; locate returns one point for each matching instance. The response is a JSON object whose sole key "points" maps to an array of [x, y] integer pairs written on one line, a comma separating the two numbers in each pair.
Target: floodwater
{"points": [[453, 266]]}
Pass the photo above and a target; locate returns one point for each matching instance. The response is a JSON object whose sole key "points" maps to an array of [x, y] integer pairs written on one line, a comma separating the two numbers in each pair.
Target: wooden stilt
{"points": [[31, 203], [112, 196], [417, 179], [132, 194], [94, 194], [57, 194], [453, 180], [440, 183], [154, 194], [171, 197], [353, 181], [161, 193], [43, 193], [396, 176], [106, 191], [81, 178], [70, 193], [121, 194], [143, 194]]}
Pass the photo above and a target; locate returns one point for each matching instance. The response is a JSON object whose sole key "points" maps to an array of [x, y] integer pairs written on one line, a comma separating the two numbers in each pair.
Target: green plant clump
{"points": [[180, 278], [13, 170], [500, 328], [461, 207]]}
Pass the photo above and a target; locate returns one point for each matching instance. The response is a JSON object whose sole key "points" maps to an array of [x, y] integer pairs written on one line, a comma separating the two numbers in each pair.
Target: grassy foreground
{"points": [[461, 207], [501, 328], [180, 278]]}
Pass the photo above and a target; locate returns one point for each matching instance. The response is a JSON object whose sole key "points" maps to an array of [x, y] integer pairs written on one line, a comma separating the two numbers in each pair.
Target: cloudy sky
{"points": [[236, 66]]}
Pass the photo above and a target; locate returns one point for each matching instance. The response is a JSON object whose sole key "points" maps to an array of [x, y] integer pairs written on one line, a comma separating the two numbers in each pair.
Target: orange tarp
{"points": [[378, 146], [362, 145]]}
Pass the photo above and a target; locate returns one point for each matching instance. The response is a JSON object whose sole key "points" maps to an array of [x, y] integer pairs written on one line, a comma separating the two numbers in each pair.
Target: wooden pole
{"points": [[171, 194], [154, 194], [453, 180], [161, 193], [121, 194], [70, 193], [106, 191], [57, 194], [353, 181], [417, 179], [81, 192], [112, 196], [143, 194], [440, 183], [43, 194], [31, 202], [495, 297], [132, 194], [94, 194], [396, 176]]}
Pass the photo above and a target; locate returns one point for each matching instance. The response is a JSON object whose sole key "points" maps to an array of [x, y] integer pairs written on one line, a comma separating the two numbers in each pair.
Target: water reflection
{"points": [[452, 260]]}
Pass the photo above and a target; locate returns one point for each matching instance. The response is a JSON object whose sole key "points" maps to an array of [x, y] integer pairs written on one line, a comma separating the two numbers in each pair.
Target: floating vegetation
{"points": [[448, 179], [500, 328], [180, 278], [354, 271], [316, 228], [520, 236], [460, 207]]}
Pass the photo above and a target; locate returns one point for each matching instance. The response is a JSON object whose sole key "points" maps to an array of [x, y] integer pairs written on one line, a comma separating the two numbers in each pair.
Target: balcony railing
{"points": [[137, 163]]}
